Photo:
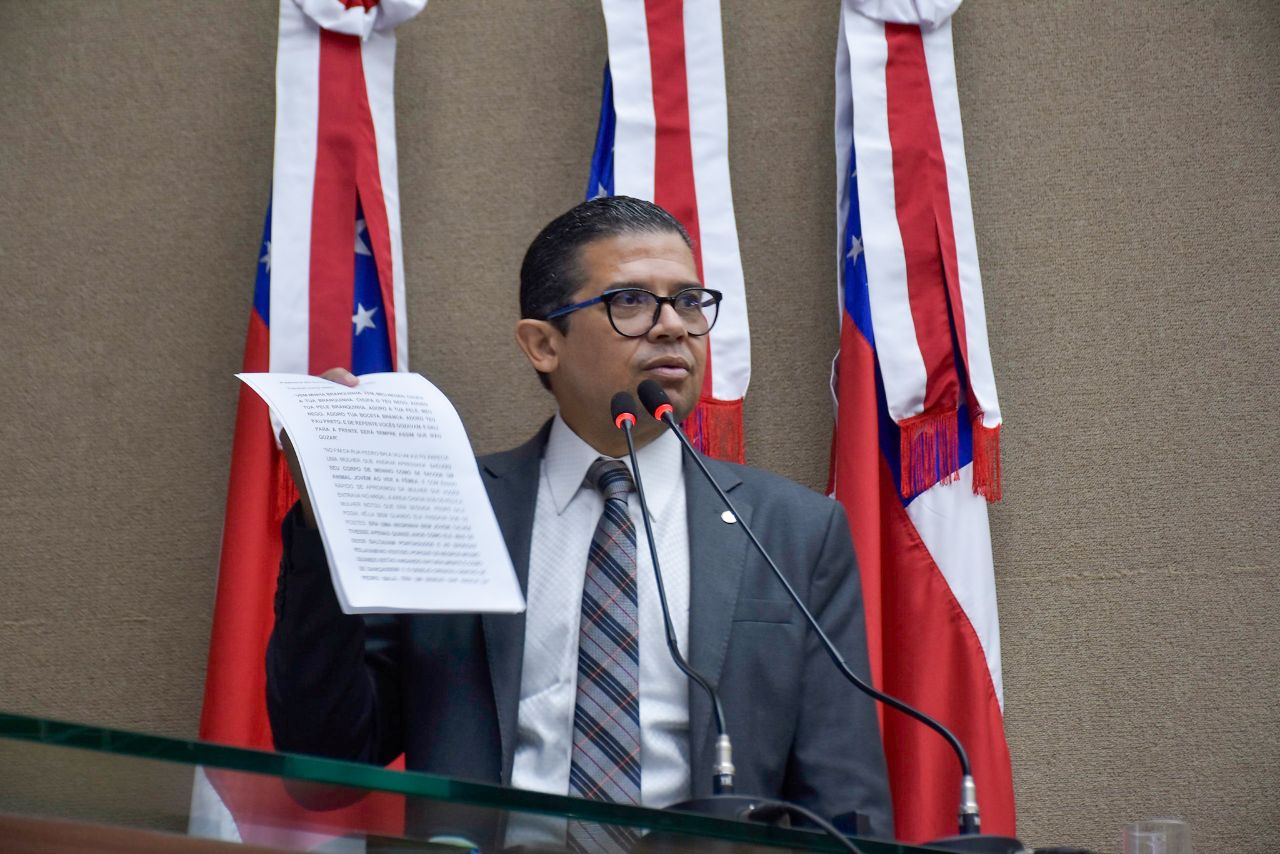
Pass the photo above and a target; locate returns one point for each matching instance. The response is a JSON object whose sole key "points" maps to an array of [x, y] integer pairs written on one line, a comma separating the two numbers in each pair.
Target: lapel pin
{"points": [[728, 518]]}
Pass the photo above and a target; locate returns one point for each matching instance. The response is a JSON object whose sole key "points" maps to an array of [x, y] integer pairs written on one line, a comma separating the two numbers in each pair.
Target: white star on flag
{"points": [[601, 192], [362, 248], [855, 249], [266, 259], [363, 318]]}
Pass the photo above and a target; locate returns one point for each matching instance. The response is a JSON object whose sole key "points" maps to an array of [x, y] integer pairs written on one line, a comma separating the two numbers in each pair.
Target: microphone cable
{"points": [[656, 402]]}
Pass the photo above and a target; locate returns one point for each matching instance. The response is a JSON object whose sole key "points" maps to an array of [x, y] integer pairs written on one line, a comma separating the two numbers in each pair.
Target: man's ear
{"points": [[540, 341]]}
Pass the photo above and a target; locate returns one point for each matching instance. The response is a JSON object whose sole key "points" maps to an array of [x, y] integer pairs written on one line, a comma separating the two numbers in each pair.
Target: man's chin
{"points": [[681, 391], [683, 404]]}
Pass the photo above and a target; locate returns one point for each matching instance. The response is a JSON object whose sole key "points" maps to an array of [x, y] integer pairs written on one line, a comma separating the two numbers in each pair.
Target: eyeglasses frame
{"points": [[660, 301]]}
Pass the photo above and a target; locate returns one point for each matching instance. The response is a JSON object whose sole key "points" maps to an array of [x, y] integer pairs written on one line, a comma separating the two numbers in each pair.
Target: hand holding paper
{"points": [[405, 520], [337, 375]]}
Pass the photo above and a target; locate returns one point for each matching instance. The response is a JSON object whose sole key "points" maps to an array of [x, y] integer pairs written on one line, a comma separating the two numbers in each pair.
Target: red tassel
{"points": [[986, 461], [715, 428], [930, 445], [284, 492]]}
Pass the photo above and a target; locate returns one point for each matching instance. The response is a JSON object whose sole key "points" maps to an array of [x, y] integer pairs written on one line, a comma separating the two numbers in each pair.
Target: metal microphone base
{"points": [[979, 843], [732, 807], [763, 811], [766, 811], [738, 807]]}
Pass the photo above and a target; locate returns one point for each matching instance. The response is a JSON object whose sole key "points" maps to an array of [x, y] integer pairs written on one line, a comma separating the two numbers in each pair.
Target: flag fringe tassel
{"points": [[930, 444], [715, 428], [986, 461]]}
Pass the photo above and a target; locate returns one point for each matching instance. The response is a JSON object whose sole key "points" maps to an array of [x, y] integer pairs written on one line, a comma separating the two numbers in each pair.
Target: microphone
{"points": [[657, 404], [723, 803], [623, 410]]}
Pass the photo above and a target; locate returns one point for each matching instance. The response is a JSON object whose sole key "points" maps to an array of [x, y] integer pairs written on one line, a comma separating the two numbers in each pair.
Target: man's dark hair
{"points": [[551, 274]]}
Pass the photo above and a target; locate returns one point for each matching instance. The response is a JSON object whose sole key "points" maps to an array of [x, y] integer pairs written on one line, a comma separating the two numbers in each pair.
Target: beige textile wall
{"points": [[1124, 165]]}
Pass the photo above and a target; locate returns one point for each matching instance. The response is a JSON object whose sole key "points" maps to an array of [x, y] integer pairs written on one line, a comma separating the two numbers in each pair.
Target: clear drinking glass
{"points": [[1156, 836]]}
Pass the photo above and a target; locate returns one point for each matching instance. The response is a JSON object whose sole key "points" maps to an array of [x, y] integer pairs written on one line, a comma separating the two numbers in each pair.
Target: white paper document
{"points": [[406, 522]]}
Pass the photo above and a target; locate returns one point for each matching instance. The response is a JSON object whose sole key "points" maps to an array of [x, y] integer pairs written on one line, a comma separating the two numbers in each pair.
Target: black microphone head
{"points": [[623, 409], [654, 398]]}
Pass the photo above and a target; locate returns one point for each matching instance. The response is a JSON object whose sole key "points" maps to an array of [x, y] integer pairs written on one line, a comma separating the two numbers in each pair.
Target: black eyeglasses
{"points": [[634, 311]]}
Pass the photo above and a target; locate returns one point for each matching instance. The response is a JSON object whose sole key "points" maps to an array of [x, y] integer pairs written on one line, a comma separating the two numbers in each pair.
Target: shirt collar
{"points": [[567, 458]]}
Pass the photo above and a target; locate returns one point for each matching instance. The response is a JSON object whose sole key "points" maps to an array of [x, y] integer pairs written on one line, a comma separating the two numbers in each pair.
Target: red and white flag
{"points": [[915, 454], [671, 147], [329, 292]]}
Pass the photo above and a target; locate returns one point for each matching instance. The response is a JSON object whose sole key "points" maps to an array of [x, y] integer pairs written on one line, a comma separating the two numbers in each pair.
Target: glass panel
{"points": [[143, 784]]}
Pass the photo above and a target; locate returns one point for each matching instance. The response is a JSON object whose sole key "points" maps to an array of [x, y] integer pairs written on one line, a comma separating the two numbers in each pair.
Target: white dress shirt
{"points": [[565, 519]]}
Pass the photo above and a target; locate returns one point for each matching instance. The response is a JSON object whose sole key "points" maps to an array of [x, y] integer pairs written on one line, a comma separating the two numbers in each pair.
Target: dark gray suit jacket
{"points": [[444, 689]]}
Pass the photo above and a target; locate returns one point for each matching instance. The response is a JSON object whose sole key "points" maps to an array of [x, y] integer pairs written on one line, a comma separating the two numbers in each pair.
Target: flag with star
{"points": [[664, 136], [370, 343], [600, 181], [329, 292], [915, 451]]}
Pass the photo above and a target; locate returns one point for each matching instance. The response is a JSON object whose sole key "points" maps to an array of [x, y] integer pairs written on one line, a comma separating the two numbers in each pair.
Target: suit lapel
{"points": [[717, 551], [512, 481]]}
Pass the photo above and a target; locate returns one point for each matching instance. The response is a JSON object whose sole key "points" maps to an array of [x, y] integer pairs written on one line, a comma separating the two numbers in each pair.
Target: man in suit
{"points": [[579, 695]]}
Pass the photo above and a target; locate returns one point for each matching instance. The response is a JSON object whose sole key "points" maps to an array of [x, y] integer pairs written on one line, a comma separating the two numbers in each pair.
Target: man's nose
{"points": [[669, 324]]}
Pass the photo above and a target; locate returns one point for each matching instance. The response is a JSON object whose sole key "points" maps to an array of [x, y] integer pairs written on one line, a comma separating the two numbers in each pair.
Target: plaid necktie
{"points": [[605, 763]]}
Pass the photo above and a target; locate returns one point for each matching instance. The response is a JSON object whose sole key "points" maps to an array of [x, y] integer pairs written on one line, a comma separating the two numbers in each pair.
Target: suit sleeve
{"points": [[837, 759], [333, 685]]}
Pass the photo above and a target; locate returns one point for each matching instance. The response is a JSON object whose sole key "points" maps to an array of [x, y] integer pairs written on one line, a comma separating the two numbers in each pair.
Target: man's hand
{"points": [[338, 375]]}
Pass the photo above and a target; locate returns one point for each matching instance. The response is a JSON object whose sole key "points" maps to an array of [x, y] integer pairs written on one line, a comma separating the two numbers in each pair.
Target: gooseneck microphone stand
{"points": [[723, 803], [623, 407], [971, 839]]}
